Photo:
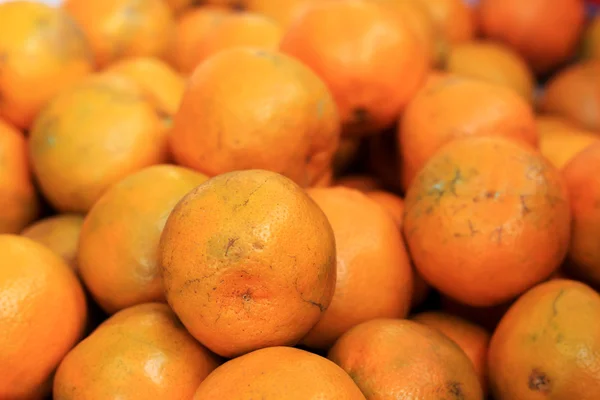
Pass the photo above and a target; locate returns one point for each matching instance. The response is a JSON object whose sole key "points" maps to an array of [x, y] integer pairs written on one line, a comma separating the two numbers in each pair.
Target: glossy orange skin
{"points": [[279, 373], [482, 234], [456, 107], [43, 51], [258, 270], [91, 136], [142, 352], [401, 360], [546, 345], [43, 316], [583, 184], [282, 119], [574, 93], [60, 234], [118, 29], [374, 274], [370, 59], [591, 39], [472, 339], [118, 249], [530, 28], [18, 200]]}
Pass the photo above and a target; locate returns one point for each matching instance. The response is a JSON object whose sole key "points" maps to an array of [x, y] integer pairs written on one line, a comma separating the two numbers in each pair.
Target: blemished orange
{"points": [[574, 93], [482, 234], [545, 346], [43, 316], [279, 372], [42, 51], [472, 339], [261, 265], [462, 107], [492, 62], [162, 85], [583, 184], [92, 135], [118, 29], [364, 183], [370, 59], [591, 39], [374, 274], [393, 359], [118, 247], [249, 108], [522, 25], [19, 203], [142, 352], [60, 234]]}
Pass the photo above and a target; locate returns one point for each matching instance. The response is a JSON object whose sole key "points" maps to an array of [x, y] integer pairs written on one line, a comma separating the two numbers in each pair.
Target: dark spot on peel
{"points": [[237, 5], [455, 390], [524, 209], [230, 244], [539, 381]]}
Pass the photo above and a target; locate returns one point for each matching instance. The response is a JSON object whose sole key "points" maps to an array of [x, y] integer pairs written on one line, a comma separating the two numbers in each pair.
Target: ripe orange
{"points": [[260, 264], [247, 108], [42, 51], [591, 39], [42, 316], [483, 234], [282, 11]]}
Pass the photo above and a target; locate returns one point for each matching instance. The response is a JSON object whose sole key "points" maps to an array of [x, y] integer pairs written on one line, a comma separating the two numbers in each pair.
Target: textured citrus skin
{"points": [[142, 352], [256, 270], [483, 234], [546, 345]]}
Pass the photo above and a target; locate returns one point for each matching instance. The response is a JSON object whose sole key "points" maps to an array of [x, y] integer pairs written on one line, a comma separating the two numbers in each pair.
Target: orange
{"points": [[522, 25], [492, 62], [42, 316], [118, 247], [282, 11], [545, 346], [364, 183], [399, 359], [574, 93], [591, 39], [18, 200], [91, 136], [487, 317], [374, 276], [260, 265], [472, 339], [60, 234], [142, 352], [371, 60], [457, 107], [483, 234], [279, 372], [248, 108], [118, 29], [42, 51], [583, 184]]}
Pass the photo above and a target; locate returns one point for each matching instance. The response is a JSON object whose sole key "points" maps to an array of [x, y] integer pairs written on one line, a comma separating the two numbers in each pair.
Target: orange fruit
{"points": [[264, 271], [374, 276], [492, 62], [472, 339], [591, 39], [487, 317], [18, 200], [190, 32], [364, 183], [583, 185], [483, 234], [574, 93], [279, 372], [370, 59], [91, 136], [248, 108], [118, 29], [157, 80], [462, 108], [142, 352], [42, 51], [546, 345], [118, 248], [282, 11], [60, 234], [43, 316], [521, 25], [391, 359]]}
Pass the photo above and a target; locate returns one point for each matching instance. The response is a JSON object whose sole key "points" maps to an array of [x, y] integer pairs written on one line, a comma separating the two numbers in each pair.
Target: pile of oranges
{"points": [[299, 199]]}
